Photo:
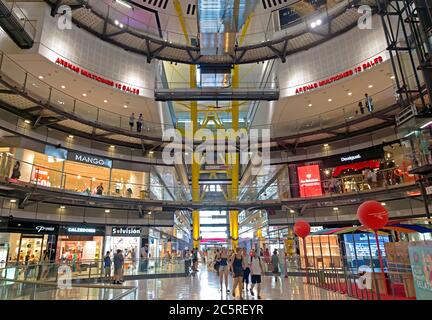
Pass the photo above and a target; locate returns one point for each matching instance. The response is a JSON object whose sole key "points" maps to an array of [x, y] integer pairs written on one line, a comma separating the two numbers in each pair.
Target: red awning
{"points": [[372, 164]]}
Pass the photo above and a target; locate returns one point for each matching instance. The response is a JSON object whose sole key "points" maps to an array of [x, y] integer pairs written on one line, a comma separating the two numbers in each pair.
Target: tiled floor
{"points": [[205, 286]]}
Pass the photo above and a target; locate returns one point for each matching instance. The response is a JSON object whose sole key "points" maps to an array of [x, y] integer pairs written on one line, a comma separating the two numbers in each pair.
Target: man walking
{"points": [[257, 270], [118, 267]]}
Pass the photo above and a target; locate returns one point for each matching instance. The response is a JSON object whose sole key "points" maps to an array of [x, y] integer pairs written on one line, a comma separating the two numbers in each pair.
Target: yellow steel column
{"points": [[235, 165], [194, 117]]}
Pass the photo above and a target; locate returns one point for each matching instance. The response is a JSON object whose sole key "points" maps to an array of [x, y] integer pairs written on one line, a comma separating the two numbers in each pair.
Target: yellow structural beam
{"points": [[194, 117]]}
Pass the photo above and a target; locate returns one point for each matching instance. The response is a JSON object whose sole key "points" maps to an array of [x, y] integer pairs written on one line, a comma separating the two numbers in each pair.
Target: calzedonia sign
{"points": [[96, 77], [83, 230], [89, 159], [126, 231]]}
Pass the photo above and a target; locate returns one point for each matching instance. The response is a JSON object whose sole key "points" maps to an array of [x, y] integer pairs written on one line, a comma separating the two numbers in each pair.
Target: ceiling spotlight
{"points": [[71, 136], [105, 101], [310, 105], [151, 152], [392, 77], [370, 86], [330, 100], [13, 201], [62, 207], [121, 25], [149, 213], [350, 93], [125, 106], [63, 87], [116, 22], [84, 94], [326, 145], [318, 22], [27, 121], [292, 211], [112, 146], [41, 77], [383, 204], [107, 211], [313, 25], [335, 209]]}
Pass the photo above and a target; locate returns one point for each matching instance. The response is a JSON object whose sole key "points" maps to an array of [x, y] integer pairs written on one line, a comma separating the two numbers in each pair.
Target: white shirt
{"points": [[256, 266]]}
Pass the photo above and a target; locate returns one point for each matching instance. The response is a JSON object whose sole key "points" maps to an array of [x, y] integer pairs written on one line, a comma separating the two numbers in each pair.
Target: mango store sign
{"points": [[96, 77], [346, 74]]}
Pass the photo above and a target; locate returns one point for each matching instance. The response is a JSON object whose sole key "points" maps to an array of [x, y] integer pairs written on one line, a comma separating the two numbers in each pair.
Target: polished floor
{"points": [[205, 286]]}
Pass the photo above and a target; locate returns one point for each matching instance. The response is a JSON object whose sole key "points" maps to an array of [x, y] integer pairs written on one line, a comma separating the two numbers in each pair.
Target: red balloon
{"points": [[373, 215], [302, 228]]}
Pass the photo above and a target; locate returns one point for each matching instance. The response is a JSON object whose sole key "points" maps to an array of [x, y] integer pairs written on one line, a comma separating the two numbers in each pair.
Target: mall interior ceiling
{"points": [[213, 120]]}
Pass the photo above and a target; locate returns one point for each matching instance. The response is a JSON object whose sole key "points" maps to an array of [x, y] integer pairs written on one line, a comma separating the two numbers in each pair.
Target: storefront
{"points": [[127, 239], [21, 241], [80, 243], [323, 251]]}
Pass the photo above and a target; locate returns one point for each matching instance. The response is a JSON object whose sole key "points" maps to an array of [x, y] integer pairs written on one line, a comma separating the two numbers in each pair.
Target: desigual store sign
{"points": [[89, 159], [340, 76], [96, 77]]}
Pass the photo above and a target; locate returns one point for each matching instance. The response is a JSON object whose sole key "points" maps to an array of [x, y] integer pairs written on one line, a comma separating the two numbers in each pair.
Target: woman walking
{"points": [[238, 267], [246, 261], [275, 263], [223, 269]]}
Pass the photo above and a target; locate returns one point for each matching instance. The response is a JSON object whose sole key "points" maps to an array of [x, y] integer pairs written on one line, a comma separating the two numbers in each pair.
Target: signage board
{"points": [[354, 157], [82, 230], [126, 231], [55, 154], [309, 181], [89, 159], [420, 254], [31, 227]]}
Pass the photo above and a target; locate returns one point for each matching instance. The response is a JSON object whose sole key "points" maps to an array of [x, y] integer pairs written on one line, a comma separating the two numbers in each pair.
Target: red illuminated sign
{"points": [[309, 181], [96, 77], [348, 73]]}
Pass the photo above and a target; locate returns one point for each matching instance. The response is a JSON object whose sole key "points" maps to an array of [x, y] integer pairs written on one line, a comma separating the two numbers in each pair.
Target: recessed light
{"points": [[310, 105], [13, 201], [383, 203], [335, 209], [125, 106], [105, 101], [392, 77], [84, 94], [292, 211], [330, 100], [149, 213], [71, 136], [151, 152], [41, 77], [62, 207], [350, 93], [112, 146], [370, 86], [27, 121], [116, 22], [326, 145], [63, 87], [107, 211], [78, 177], [93, 179]]}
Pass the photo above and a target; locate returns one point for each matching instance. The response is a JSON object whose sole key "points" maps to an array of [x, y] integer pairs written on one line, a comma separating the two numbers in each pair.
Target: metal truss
{"points": [[157, 48], [406, 39]]}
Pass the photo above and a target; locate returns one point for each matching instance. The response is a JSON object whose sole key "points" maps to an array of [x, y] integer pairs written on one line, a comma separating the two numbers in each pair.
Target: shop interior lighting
{"points": [[326, 145], [149, 213], [107, 211], [335, 209], [426, 125], [127, 5], [71, 136], [62, 207], [292, 211], [27, 121], [13, 201], [383, 204]]}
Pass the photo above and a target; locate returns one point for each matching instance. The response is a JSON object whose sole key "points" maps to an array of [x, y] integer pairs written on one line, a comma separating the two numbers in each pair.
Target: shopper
{"points": [[118, 266], [275, 264], [361, 107], [224, 269], [107, 266], [132, 121], [16, 173], [246, 261], [217, 260], [45, 265], [100, 189], [257, 270], [369, 103], [139, 123], [237, 265]]}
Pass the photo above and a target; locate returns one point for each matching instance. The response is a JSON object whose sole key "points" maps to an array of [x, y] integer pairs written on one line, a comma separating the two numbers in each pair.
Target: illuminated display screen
{"points": [[309, 181]]}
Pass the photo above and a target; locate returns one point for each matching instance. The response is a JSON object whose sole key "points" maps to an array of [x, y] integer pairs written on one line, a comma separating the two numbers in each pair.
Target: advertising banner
{"points": [[309, 181], [420, 253]]}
